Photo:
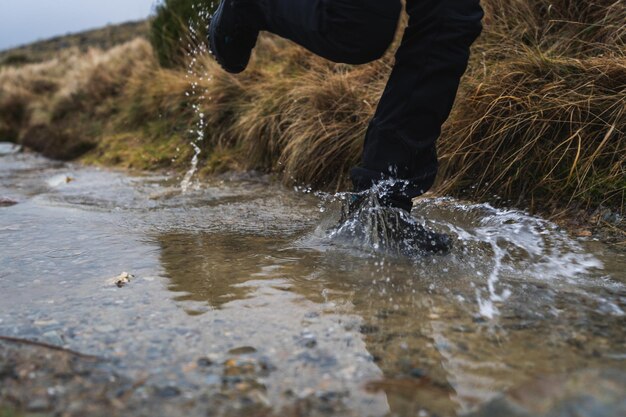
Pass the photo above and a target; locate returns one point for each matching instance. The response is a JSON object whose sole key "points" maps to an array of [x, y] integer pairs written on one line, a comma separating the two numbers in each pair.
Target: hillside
{"points": [[102, 38]]}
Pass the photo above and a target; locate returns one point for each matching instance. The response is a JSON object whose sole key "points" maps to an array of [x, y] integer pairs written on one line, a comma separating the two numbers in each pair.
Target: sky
{"points": [[25, 21]]}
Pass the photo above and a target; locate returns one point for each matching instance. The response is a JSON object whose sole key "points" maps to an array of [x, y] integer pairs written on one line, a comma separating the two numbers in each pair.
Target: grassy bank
{"points": [[539, 123]]}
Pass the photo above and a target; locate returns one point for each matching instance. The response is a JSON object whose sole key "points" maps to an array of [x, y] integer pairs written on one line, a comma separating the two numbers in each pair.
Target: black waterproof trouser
{"points": [[433, 55]]}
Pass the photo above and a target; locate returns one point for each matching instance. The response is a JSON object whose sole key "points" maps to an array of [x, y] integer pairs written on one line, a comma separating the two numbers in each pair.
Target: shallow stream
{"points": [[239, 286]]}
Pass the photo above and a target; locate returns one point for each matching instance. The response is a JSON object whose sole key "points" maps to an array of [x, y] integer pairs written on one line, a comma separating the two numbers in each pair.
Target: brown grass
{"points": [[539, 121]]}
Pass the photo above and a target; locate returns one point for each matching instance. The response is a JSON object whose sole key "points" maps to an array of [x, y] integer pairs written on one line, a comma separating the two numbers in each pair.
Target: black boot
{"points": [[233, 32], [389, 227]]}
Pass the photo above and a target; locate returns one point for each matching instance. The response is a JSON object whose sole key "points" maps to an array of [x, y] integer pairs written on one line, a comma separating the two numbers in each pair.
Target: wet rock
{"points": [[242, 350], [588, 393], [235, 367], [7, 202], [309, 343], [122, 280], [204, 362], [317, 359], [53, 338], [307, 340], [368, 329], [167, 392]]}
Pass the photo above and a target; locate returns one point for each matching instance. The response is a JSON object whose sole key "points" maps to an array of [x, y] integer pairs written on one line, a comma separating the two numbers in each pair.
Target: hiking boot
{"points": [[233, 33], [390, 228]]}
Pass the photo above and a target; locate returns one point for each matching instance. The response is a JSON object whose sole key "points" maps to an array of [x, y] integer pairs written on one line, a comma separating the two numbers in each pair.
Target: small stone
{"points": [[121, 280], [204, 362], [307, 340], [7, 202], [368, 329], [53, 338], [168, 392], [242, 350]]}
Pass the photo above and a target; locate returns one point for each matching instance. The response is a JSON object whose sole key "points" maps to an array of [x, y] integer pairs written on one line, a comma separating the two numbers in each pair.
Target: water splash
{"points": [[521, 247], [370, 226], [196, 74], [496, 252], [186, 183], [487, 307]]}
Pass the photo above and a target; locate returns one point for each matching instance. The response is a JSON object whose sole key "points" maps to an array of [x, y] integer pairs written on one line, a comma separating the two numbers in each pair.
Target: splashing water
{"points": [[196, 74], [498, 250], [185, 184], [521, 247]]}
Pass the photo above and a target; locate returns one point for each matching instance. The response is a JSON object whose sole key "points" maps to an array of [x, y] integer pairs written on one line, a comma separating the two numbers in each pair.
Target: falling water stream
{"points": [[242, 271]]}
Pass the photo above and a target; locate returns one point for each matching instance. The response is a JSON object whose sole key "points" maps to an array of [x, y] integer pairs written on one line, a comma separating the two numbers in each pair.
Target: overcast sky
{"points": [[25, 21]]}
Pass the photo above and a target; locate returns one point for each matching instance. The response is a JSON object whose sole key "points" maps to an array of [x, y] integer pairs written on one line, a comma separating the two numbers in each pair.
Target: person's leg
{"points": [[348, 31], [400, 142]]}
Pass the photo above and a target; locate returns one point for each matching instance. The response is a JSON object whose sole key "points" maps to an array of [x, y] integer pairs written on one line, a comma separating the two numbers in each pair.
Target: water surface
{"points": [[243, 274]]}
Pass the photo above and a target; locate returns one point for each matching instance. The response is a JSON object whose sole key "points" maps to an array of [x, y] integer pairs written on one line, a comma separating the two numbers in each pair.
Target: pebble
{"points": [[7, 202], [168, 392], [123, 279], [204, 362], [368, 329], [242, 350], [53, 338]]}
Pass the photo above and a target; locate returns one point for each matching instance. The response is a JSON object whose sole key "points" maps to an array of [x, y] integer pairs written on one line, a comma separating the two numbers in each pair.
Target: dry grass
{"points": [[539, 121], [542, 129]]}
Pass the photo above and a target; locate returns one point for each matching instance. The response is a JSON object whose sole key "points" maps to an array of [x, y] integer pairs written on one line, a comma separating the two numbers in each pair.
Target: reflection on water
{"points": [[246, 271], [419, 329]]}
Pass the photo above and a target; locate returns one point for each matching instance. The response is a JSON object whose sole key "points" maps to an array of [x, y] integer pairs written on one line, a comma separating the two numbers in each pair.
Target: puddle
{"points": [[244, 277]]}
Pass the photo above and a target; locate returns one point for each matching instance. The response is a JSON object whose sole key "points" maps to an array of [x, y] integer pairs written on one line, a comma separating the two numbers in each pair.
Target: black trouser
{"points": [[400, 141]]}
